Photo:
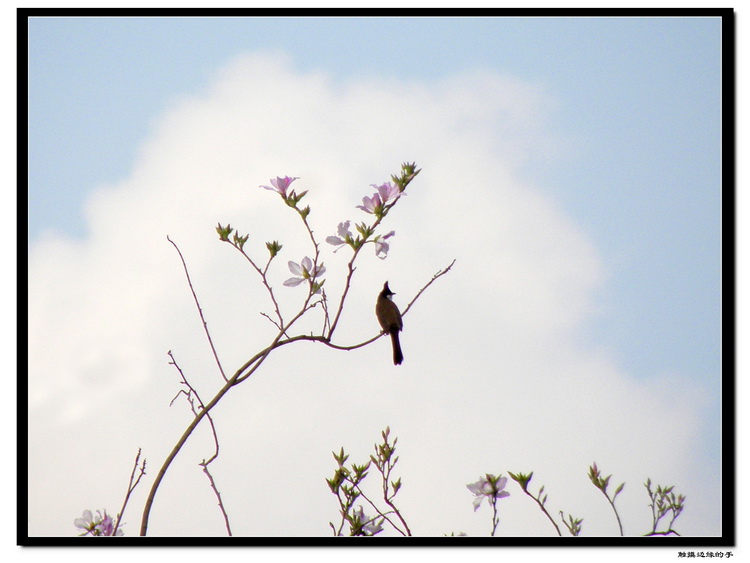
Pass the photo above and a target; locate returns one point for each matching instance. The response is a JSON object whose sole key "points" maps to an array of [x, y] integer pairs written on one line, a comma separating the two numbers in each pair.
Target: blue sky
{"points": [[630, 123]]}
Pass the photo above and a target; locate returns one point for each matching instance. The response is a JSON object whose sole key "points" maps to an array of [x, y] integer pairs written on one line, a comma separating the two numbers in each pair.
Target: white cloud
{"points": [[495, 378]]}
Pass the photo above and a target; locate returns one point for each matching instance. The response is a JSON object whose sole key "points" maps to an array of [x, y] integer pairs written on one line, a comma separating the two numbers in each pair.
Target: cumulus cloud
{"points": [[496, 375]]}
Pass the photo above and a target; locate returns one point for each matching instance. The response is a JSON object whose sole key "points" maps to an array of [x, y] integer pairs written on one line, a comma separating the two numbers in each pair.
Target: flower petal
{"points": [[343, 229], [335, 241], [381, 248], [387, 192], [367, 205], [475, 487]]}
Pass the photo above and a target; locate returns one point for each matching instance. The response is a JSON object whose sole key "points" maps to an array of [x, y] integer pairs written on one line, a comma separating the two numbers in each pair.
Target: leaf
{"points": [[619, 489]]}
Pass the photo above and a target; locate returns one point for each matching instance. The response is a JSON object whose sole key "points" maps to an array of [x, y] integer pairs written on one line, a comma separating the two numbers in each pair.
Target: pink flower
{"points": [[280, 185], [488, 486], [387, 192], [371, 205]]}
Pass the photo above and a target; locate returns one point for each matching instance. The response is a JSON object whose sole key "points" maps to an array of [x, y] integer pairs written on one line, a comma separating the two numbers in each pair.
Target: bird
{"points": [[390, 321]]}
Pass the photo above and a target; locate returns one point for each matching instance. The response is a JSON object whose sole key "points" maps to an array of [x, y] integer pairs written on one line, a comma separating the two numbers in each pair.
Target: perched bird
{"points": [[390, 321]]}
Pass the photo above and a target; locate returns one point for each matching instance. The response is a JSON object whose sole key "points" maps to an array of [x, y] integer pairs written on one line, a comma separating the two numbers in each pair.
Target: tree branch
{"points": [[200, 311]]}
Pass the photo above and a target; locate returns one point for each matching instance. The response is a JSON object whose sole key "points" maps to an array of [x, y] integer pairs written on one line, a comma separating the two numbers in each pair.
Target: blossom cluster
{"points": [[99, 525], [378, 204]]}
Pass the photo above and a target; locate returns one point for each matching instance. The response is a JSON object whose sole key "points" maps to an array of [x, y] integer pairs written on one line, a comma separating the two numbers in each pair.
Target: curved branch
{"points": [[255, 361], [192, 398], [175, 450]]}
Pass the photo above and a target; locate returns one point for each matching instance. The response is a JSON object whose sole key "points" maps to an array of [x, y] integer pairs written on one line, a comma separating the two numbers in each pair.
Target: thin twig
{"points": [[264, 281], [351, 269], [200, 311], [385, 514], [277, 325], [326, 318], [218, 495], [434, 277], [388, 498], [193, 394], [541, 506], [612, 504], [131, 488]]}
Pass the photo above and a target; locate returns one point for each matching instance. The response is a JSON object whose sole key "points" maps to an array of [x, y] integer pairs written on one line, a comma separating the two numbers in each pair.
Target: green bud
{"points": [[317, 285], [224, 232], [273, 248], [240, 241]]}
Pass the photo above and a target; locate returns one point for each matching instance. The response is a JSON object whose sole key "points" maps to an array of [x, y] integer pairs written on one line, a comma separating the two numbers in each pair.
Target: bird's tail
{"points": [[398, 356]]}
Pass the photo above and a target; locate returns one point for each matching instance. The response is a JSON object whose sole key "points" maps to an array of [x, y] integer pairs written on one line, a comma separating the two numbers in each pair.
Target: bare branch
{"points": [[217, 493], [434, 277], [273, 322], [264, 280], [385, 514], [200, 311], [131, 487]]}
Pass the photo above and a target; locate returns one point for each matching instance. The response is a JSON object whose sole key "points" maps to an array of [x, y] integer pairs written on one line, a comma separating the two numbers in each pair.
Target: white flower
{"points": [[303, 272], [490, 487]]}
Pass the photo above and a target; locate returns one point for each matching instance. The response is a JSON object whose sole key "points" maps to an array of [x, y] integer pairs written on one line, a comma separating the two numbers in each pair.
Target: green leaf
{"points": [[619, 489]]}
